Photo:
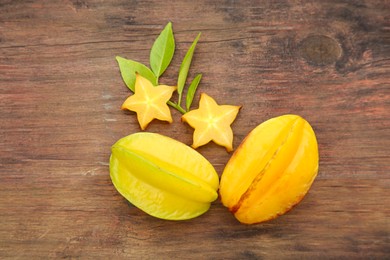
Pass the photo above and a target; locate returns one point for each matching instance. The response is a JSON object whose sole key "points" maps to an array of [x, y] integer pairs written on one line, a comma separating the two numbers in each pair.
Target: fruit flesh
{"points": [[212, 122], [149, 102], [271, 171], [159, 184]]}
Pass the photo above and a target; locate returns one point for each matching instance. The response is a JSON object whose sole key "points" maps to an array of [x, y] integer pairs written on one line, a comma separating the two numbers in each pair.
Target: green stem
{"points": [[179, 100], [179, 108]]}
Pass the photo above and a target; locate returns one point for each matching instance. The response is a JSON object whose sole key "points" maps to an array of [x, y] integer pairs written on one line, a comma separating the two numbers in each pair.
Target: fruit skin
{"points": [[271, 170], [163, 177]]}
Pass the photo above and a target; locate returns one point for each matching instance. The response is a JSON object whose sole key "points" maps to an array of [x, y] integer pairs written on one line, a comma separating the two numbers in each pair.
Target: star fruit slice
{"points": [[162, 176], [212, 122], [271, 170], [149, 102]]}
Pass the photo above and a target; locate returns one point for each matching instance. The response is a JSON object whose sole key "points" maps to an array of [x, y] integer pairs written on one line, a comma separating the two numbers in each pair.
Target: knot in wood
{"points": [[320, 50]]}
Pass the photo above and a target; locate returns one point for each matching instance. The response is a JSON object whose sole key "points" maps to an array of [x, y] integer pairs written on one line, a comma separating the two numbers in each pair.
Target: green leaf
{"points": [[184, 67], [191, 91], [162, 51], [128, 69]]}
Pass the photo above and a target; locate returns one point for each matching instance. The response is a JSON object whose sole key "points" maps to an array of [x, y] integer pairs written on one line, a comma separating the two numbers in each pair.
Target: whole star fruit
{"points": [[271, 171], [149, 102], [212, 122], [162, 176]]}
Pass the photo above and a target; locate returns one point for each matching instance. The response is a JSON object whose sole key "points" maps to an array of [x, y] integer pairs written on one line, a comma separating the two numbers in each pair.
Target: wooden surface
{"points": [[61, 90]]}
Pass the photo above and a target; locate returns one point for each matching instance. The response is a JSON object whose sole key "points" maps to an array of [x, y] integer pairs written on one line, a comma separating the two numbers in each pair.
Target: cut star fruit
{"points": [[212, 122], [271, 170], [163, 177], [149, 102]]}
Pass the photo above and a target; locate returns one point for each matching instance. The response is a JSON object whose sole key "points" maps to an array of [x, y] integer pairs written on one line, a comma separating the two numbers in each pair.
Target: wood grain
{"points": [[61, 90]]}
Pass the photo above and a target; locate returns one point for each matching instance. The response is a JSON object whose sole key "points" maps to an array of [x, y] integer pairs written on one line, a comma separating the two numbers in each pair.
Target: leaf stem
{"points": [[179, 99], [179, 108]]}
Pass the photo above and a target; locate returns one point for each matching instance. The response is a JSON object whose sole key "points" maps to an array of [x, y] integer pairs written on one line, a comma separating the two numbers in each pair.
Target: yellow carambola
{"points": [[271, 171], [163, 177]]}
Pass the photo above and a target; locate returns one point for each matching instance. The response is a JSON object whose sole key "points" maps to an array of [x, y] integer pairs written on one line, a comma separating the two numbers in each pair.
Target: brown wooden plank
{"points": [[60, 94]]}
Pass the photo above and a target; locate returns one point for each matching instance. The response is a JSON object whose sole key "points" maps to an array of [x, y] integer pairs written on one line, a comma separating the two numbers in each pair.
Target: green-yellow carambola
{"points": [[162, 176]]}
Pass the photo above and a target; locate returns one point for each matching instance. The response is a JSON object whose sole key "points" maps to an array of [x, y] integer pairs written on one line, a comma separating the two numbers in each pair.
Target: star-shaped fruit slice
{"points": [[212, 122], [149, 102]]}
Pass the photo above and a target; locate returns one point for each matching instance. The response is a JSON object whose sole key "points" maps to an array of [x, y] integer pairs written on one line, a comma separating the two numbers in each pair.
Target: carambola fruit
{"points": [[149, 102], [271, 170], [163, 177], [212, 122]]}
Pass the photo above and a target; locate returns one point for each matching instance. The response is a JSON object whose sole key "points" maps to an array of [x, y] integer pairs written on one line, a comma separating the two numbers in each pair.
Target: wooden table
{"points": [[60, 98]]}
